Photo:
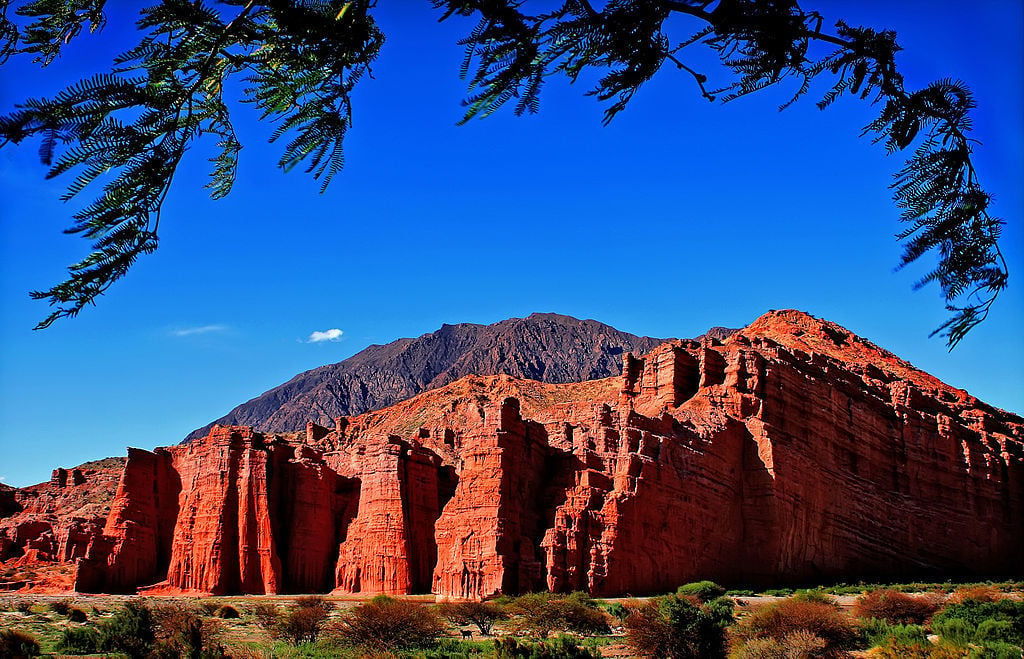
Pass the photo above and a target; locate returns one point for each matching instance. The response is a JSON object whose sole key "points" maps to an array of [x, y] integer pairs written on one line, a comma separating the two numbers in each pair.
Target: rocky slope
{"points": [[54, 522], [545, 347], [792, 451]]}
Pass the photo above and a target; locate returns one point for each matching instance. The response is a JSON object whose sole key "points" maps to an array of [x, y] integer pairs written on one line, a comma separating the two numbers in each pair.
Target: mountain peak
{"points": [[547, 347]]}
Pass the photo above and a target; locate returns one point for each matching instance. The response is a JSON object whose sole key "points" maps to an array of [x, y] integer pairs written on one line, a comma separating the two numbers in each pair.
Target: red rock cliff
{"points": [[791, 451]]}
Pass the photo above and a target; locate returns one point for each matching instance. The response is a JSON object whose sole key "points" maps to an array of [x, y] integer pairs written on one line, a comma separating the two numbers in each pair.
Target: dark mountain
{"points": [[545, 347]]}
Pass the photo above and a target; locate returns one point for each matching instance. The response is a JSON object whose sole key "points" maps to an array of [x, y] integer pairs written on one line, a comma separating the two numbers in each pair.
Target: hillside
{"points": [[545, 347]]}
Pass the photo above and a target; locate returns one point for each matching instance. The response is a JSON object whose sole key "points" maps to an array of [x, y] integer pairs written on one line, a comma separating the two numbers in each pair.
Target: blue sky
{"points": [[679, 216]]}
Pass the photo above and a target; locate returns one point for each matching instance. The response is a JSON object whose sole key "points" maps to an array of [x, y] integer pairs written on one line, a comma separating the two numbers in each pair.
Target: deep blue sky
{"points": [[679, 216]]}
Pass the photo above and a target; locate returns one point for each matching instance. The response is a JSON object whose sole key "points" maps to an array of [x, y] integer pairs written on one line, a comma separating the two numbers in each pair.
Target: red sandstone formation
{"points": [[791, 451], [52, 523]]}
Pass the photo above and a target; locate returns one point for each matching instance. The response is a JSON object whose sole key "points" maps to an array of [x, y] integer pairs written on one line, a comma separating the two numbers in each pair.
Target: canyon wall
{"points": [[793, 451]]}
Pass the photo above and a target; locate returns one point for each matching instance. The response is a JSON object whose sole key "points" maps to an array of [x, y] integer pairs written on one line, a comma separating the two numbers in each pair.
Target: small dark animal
{"points": [[467, 633]]}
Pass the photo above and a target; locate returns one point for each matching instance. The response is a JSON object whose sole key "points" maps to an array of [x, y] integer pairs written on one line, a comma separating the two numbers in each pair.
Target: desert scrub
{"points": [[563, 647], [780, 619], [705, 591], [78, 640], [129, 631], [389, 625], [989, 625], [679, 627], [481, 614], [180, 631], [895, 607], [266, 614], [227, 612], [539, 615], [14, 643], [879, 633]]}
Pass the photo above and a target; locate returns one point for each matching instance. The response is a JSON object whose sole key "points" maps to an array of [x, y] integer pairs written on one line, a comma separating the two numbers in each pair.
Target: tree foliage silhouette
{"points": [[300, 60]]}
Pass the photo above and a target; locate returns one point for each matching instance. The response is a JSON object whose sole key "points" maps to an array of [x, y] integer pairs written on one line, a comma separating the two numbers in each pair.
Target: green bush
{"points": [[539, 615], [879, 633], [14, 643], [740, 593], [60, 607], [961, 622], [387, 624], [78, 640], [779, 592], [954, 630], [815, 595], [617, 610], [705, 591], [996, 650], [469, 612], [129, 630], [450, 648], [23, 606], [563, 647], [674, 627]]}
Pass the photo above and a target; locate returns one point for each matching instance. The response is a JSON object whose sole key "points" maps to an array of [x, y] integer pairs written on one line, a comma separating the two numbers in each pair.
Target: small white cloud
{"points": [[204, 329], [326, 335]]}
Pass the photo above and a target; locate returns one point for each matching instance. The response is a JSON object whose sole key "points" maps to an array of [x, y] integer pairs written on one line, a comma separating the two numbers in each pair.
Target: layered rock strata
{"points": [[792, 451]]}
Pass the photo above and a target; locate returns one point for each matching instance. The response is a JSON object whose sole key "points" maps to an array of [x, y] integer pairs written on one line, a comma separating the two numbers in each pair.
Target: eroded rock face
{"points": [[53, 523], [791, 451]]}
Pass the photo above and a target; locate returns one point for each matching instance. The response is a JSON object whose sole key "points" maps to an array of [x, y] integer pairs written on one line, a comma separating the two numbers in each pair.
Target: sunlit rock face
{"points": [[791, 451]]}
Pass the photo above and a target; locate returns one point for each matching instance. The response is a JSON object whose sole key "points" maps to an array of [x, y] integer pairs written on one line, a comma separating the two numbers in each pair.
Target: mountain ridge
{"points": [[546, 347]]}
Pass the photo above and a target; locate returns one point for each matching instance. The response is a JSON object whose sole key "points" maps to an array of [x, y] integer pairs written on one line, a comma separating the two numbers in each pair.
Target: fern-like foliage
{"points": [[762, 43], [126, 130]]}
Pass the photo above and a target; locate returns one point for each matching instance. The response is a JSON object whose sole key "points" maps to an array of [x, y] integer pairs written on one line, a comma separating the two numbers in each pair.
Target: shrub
{"points": [[266, 614], [78, 640], [540, 614], [879, 632], [60, 607], [977, 593], [301, 625], [17, 644], [779, 592], [962, 622], [739, 593], [618, 611], [705, 591], [181, 632], [808, 595], [450, 648], [919, 651], [314, 602], [227, 612], [955, 631], [209, 608], [481, 614], [129, 631], [778, 620], [895, 607], [386, 624], [23, 606], [675, 627], [563, 647], [997, 650], [76, 614]]}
